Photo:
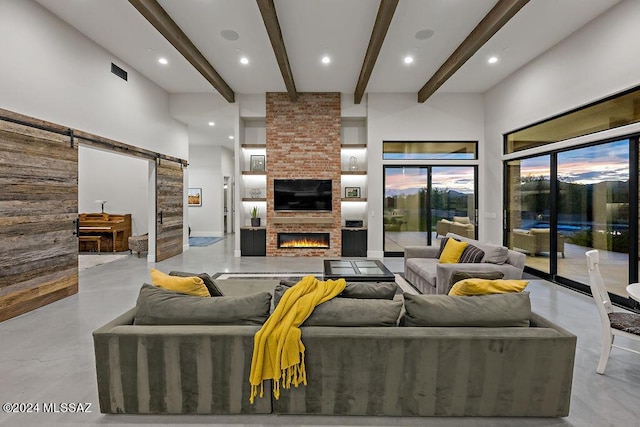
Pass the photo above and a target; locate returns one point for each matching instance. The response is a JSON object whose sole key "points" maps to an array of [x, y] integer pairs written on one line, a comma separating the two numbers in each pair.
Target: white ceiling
{"points": [[311, 28]]}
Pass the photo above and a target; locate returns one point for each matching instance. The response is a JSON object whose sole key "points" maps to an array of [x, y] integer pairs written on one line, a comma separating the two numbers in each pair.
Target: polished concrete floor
{"points": [[46, 356]]}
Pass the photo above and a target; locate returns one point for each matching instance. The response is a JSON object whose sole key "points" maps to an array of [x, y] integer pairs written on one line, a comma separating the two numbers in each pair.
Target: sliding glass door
{"points": [[593, 212], [573, 201], [416, 198], [405, 207]]}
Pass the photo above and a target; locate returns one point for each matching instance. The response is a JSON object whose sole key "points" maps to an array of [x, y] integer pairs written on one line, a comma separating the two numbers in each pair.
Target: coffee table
{"points": [[361, 270]]}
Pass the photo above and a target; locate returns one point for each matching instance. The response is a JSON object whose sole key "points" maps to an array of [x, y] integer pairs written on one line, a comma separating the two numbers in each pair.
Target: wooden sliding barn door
{"points": [[38, 209], [169, 209]]}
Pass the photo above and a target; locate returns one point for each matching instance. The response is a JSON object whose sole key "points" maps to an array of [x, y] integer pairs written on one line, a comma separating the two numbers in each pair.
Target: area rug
{"points": [[204, 241], [88, 261]]}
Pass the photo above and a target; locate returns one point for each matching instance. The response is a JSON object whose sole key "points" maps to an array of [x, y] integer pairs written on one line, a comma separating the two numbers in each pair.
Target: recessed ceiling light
{"points": [[492, 60], [408, 59], [212, 124], [244, 60], [325, 59], [163, 61], [231, 137]]}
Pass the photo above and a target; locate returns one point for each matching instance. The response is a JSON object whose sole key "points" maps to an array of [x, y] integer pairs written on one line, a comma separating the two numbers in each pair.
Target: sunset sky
{"points": [[605, 162], [409, 180], [589, 165]]}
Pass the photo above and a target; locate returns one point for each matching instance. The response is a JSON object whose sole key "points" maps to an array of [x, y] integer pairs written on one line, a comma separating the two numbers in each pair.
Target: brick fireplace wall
{"points": [[303, 141]]}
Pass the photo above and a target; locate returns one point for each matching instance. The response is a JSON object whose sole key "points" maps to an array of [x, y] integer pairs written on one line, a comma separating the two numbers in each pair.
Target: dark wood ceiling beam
{"points": [[385, 13], [270, 18], [160, 19], [501, 13]]}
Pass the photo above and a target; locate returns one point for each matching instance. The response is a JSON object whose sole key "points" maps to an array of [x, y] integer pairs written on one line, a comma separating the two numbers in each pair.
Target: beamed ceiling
{"points": [[367, 41]]}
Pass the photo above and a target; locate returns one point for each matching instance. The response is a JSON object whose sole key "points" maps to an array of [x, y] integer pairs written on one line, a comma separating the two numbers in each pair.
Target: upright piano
{"points": [[115, 229]]}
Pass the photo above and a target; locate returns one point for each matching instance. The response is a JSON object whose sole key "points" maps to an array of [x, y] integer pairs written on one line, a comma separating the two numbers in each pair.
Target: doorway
{"points": [[416, 198], [227, 209]]}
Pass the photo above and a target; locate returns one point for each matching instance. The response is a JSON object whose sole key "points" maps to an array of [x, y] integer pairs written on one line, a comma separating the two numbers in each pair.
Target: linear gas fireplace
{"points": [[303, 240]]}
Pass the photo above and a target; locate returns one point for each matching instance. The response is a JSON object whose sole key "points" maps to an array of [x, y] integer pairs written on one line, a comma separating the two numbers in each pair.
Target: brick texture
{"points": [[303, 141]]}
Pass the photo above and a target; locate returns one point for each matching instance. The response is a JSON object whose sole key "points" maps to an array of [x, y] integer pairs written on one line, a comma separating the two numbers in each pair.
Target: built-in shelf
{"points": [[301, 220], [254, 199], [257, 173], [354, 199], [254, 146], [353, 172], [354, 145]]}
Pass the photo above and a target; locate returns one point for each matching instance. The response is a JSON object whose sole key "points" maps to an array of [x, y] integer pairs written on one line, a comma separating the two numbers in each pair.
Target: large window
{"points": [[573, 201], [615, 111], [430, 150]]}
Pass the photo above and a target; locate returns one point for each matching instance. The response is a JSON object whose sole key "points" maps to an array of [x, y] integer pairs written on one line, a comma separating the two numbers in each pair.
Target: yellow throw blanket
{"points": [[278, 352]]}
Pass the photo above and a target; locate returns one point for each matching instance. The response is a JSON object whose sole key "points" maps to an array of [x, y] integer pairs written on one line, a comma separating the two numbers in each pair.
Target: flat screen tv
{"points": [[302, 195]]}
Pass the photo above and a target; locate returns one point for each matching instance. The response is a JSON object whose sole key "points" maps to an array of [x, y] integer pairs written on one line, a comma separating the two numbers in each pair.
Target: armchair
{"points": [[460, 225], [535, 240]]}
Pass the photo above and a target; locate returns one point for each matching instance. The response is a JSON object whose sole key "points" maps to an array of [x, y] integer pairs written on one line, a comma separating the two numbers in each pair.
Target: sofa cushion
{"points": [[186, 285], [461, 275], [355, 312], [471, 254], [424, 267], [498, 310], [462, 219], [213, 289], [443, 243], [158, 306], [452, 251], [469, 287], [534, 231], [494, 254], [358, 290]]}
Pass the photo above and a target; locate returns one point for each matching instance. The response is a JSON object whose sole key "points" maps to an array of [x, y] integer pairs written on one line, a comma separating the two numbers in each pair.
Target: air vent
{"points": [[118, 71]]}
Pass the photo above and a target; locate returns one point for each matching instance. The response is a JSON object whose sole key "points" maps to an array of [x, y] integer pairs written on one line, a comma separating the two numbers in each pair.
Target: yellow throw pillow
{"points": [[185, 285], [470, 287], [452, 251]]}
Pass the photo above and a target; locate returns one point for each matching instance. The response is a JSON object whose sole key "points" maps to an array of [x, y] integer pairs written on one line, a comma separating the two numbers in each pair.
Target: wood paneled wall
{"points": [[38, 206], [169, 209]]}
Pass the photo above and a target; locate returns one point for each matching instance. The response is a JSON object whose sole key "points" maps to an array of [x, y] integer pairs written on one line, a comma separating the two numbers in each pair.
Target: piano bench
{"points": [[95, 239]]}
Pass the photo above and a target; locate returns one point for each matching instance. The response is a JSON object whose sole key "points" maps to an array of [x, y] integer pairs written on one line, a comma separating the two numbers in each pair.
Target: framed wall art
{"points": [[194, 196], [352, 192], [257, 163]]}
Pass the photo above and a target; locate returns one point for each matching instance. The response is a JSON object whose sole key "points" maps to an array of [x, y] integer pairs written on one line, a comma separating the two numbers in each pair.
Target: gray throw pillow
{"points": [[462, 275], [497, 310], [158, 306], [495, 254], [355, 312], [360, 290], [213, 289]]}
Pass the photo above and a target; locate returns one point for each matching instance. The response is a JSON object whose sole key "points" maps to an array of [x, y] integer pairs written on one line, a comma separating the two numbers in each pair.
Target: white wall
{"points": [[400, 117], [123, 182], [207, 168], [53, 72], [598, 60]]}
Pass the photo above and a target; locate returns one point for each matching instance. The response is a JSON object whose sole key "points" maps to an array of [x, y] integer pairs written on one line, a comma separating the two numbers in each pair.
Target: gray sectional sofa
{"points": [[423, 270], [447, 356]]}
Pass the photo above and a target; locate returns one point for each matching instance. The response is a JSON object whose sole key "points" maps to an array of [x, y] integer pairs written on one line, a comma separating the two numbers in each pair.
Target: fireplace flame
{"points": [[304, 243]]}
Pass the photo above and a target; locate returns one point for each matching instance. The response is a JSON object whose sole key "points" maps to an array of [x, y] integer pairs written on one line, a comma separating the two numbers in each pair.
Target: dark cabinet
{"points": [[354, 242], [253, 241]]}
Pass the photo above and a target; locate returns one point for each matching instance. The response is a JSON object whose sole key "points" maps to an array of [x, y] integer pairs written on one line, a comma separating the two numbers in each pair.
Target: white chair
{"points": [[613, 324]]}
